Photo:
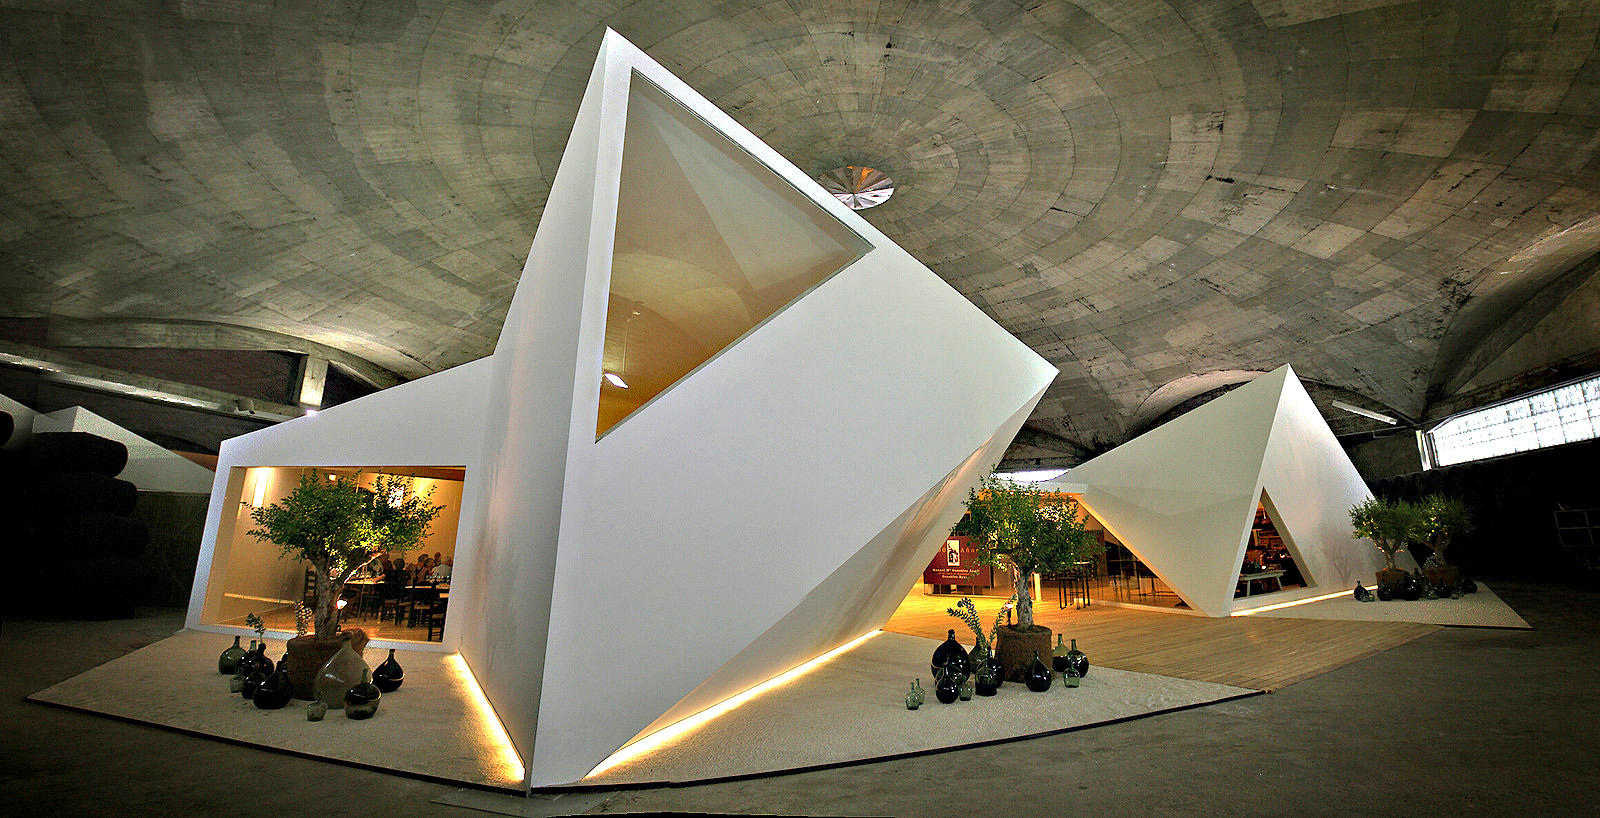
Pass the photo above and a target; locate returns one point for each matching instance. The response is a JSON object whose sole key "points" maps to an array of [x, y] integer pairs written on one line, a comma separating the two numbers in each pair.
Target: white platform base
{"points": [[1480, 610], [852, 709]]}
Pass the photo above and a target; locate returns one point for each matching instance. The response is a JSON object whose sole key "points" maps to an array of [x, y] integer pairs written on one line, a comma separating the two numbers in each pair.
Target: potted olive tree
{"points": [[1028, 530], [338, 527], [1389, 524], [1439, 520]]}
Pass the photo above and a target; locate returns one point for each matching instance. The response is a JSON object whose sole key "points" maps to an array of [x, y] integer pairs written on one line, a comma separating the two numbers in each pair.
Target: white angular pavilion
{"points": [[1183, 496], [726, 425]]}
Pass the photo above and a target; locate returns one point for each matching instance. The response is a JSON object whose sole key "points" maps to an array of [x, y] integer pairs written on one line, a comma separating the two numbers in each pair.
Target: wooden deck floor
{"points": [[1246, 651]]}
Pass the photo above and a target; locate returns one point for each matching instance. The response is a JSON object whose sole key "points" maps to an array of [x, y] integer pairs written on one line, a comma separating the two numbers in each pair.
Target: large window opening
{"points": [[709, 244], [1562, 414], [1269, 565], [409, 602]]}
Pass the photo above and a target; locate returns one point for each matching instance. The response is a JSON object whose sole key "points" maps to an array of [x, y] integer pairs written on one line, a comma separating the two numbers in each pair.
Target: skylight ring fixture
{"points": [[858, 186]]}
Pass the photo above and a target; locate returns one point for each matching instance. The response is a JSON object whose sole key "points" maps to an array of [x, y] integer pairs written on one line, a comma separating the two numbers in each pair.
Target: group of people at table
{"points": [[426, 569], [421, 588]]}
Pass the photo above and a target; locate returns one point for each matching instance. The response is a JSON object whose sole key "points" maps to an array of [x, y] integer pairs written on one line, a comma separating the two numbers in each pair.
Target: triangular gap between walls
{"points": [[1264, 506]]}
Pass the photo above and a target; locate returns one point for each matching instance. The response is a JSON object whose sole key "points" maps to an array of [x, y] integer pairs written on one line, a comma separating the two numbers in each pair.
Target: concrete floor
{"points": [[1464, 721]]}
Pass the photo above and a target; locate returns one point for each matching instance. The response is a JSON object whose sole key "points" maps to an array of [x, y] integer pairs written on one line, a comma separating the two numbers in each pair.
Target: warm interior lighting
{"points": [[489, 728], [261, 490], [616, 380], [672, 731], [1289, 604]]}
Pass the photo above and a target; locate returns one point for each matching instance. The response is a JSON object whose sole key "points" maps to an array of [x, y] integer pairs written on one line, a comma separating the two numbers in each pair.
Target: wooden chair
{"points": [[435, 619], [391, 594], [419, 601]]}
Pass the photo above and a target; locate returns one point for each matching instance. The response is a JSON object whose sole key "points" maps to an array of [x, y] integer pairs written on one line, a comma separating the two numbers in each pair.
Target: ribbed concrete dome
{"points": [[1399, 200]]}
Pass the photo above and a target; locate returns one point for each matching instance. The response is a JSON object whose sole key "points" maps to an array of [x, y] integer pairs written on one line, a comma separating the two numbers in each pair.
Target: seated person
{"points": [[441, 573]]}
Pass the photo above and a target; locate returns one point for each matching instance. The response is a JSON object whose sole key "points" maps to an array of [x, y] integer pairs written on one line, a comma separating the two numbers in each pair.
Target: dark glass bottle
{"points": [[951, 651], [262, 662], [988, 680], [247, 663], [261, 669], [388, 675], [361, 700], [999, 674], [229, 660], [275, 691], [1409, 589], [947, 687], [1037, 674], [1077, 661]]}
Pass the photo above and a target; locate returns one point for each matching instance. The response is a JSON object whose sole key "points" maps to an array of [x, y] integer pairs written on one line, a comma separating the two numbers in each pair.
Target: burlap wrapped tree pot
{"points": [[1389, 579], [307, 655], [1016, 647], [1442, 576]]}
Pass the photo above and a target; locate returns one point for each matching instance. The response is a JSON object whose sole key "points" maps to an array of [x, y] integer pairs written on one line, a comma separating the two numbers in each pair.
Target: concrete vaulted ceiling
{"points": [[1399, 199]]}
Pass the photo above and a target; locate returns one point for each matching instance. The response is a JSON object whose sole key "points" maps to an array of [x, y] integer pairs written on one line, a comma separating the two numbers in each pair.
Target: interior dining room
{"points": [[393, 597]]}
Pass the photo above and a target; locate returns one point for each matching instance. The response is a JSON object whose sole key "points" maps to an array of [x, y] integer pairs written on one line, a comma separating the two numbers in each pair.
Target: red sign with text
{"points": [[957, 564]]}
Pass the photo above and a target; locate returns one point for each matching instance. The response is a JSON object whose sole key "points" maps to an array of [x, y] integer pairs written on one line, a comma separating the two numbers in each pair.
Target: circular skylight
{"points": [[857, 186]]}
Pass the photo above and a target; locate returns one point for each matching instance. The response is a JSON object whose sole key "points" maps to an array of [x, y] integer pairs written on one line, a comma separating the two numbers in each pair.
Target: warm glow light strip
{"points": [[1289, 604], [672, 731], [511, 763]]}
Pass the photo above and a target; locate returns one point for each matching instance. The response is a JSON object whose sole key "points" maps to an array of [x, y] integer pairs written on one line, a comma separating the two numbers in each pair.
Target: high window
{"points": [[1563, 414]]}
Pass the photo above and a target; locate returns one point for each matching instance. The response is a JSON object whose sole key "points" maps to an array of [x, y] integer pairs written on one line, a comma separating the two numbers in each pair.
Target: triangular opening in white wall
{"points": [[1270, 562], [709, 243]]}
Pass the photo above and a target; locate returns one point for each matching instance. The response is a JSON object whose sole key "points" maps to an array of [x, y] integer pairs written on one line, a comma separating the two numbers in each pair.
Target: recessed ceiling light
{"points": [[858, 186], [616, 380], [1366, 413]]}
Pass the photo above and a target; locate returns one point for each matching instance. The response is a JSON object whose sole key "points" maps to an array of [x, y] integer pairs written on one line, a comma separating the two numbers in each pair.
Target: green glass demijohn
{"points": [[361, 700], [986, 682], [947, 687], [228, 662], [914, 696], [1037, 674], [1077, 662], [247, 662], [1058, 656]]}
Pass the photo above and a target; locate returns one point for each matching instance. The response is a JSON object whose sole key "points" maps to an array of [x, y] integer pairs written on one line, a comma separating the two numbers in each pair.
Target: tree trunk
{"points": [[327, 604], [1019, 578]]}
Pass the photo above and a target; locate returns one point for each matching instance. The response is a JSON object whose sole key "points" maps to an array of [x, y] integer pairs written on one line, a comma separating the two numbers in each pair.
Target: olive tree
{"points": [[339, 527], [1028, 530]]}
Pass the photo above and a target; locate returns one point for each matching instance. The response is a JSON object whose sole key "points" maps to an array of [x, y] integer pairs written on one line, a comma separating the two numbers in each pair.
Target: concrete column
{"points": [[312, 377]]}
